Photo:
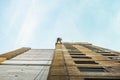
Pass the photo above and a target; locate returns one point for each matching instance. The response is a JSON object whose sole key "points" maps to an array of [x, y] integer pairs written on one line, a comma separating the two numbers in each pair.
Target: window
{"points": [[91, 48], [109, 54], [85, 62], [84, 69], [102, 51], [71, 49], [78, 56], [68, 46], [115, 58], [74, 51]]}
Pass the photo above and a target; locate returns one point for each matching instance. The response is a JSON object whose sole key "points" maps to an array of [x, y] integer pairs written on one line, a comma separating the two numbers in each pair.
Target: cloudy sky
{"points": [[37, 23]]}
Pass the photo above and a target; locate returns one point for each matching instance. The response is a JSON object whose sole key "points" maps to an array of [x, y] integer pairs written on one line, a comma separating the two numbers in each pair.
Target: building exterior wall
{"points": [[69, 61], [31, 65], [84, 61]]}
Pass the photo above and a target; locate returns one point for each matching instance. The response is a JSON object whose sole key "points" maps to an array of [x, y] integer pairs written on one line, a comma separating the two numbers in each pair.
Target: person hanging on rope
{"points": [[59, 40]]}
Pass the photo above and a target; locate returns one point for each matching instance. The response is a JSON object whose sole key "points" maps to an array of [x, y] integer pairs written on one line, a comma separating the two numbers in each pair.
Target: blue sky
{"points": [[37, 23]]}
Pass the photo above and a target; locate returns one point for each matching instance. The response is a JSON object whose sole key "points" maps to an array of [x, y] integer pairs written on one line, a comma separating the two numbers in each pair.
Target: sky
{"points": [[38, 23]]}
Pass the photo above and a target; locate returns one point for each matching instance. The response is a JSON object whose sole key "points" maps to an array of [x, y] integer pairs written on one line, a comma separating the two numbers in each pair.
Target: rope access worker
{"points": [[59, 40]]}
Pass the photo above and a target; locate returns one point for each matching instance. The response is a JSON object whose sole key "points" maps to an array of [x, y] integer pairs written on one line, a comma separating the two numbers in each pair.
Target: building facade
{"points": [[68, 61], [32, 64], [84, 61]]}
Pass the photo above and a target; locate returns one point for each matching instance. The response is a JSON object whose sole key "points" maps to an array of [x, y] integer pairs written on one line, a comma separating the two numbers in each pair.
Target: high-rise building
{"points": [[84, 61], [68, 61]]}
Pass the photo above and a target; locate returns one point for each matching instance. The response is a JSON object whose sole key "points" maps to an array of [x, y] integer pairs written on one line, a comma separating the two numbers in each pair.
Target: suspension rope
{"points": [[42, 71]]}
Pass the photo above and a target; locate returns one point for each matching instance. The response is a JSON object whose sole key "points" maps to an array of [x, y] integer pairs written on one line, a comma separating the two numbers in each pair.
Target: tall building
{"points": [[84, 61], [68, 61]]}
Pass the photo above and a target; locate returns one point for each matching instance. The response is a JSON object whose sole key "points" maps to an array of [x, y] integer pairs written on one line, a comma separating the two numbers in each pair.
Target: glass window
{"points": [[115, 58], [85, 62], [84, 69], [109, 54], [74, 51], [77, 56]]}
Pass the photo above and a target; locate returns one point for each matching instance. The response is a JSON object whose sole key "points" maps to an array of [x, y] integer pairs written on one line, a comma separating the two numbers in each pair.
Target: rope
{"points": [[42, 70]]}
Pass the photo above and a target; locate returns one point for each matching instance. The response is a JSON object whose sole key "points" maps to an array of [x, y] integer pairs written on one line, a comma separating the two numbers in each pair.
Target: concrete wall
{"points": [[31, 65]]}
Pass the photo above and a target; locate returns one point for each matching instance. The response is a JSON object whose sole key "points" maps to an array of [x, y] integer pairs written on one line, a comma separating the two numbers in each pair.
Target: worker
{"points": [[59, 40]]}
